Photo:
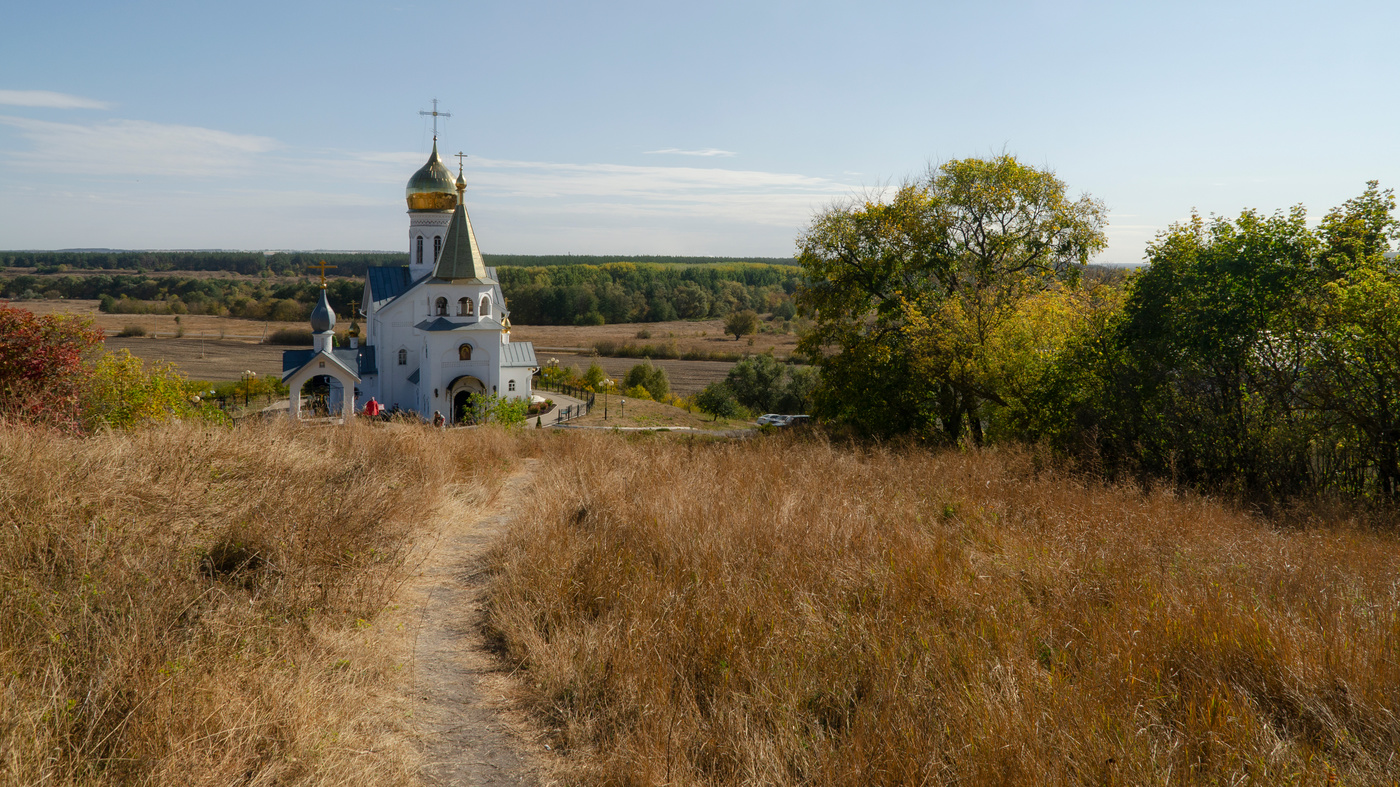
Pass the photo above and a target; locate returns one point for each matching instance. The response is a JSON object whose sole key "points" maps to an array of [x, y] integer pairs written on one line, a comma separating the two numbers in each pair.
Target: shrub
{"points": [[290, 337], [741, 323], [650, 377], [41, 365], [718, 400], [129, 331]]}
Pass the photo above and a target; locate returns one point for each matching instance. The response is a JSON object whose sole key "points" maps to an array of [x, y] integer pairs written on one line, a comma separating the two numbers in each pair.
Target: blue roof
{"points": [[387, 282], [518, 354], [413, 378], [440, 324], [362, 359], [444, 324]]}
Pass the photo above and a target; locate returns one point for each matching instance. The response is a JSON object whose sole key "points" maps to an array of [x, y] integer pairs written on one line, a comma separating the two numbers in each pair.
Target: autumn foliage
{"points": [[42, 365]]}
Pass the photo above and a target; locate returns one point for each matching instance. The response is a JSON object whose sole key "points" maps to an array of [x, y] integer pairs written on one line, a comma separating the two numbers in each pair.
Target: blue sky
{"points": [[665, 128]]}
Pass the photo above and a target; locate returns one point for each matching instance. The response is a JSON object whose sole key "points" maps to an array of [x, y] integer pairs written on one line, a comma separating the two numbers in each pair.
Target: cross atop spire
{"points": [[460, 156], [436, 114], [324, 267]]}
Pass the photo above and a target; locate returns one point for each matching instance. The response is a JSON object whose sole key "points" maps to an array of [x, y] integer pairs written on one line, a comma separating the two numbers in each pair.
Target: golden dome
{"points": [[432, 187]]}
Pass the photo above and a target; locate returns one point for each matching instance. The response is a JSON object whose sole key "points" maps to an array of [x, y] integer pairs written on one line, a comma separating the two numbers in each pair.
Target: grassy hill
{"points": [[204, 605]]}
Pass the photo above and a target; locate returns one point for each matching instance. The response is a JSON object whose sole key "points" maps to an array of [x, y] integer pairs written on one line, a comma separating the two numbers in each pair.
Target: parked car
{"points": [[772, 419]]}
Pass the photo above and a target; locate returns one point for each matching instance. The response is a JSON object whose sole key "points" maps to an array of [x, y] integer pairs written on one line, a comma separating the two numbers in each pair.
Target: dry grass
{"points": [[194, 605], [773, 612], [646, 414]]}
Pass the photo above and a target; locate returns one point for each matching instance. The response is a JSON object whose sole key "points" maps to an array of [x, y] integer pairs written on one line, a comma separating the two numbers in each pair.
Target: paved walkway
{"points": [[560, 402]]}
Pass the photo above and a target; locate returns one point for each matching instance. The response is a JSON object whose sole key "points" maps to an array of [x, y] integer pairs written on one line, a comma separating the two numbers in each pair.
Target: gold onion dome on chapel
{"points": [[432, 187]]}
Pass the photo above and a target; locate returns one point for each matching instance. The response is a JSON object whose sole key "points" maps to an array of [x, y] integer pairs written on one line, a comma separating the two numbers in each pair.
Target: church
{"points": [[437, 331]]}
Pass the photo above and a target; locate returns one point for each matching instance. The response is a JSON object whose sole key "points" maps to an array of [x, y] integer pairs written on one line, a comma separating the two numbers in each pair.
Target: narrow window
{"points": [[464, 307], [437, 246], [403, 357], [420, 249], [442, 307], [510, 386], [464, 353], [485, 306]]}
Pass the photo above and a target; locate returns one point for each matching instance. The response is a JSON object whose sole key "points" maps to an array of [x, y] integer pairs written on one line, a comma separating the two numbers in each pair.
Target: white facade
{"points": [[436, 330]]}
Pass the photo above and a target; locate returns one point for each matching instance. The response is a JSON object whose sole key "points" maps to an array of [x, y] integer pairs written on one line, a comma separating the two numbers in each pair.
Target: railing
{"points": [[573, 411]]}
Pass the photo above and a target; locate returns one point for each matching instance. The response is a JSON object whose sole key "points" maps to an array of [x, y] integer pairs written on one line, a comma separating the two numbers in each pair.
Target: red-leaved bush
{"points": [[41, 366]]}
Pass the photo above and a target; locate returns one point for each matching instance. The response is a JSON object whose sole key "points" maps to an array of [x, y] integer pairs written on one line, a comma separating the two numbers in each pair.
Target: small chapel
{"points": [[437, 331]]}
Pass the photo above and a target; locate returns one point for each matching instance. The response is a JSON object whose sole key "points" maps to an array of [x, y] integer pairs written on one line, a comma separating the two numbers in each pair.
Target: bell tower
{"points": [[431, 196]]}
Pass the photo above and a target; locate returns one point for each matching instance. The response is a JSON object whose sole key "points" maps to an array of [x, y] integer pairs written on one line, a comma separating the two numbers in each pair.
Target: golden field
{"points": [[204, 605], [189, 605], [781, 612]]}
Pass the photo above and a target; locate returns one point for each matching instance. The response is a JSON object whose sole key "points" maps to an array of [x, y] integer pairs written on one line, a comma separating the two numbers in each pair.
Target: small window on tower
{"points": [[403, 357], [485, 306], [437, 246], [464, 353], [464, 307], [510, 386], [420, 249], [442, 307]]}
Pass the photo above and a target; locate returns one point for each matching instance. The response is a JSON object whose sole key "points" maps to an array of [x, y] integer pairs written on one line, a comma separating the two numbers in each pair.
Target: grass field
{"points": [[203, 355], [200, 605], [644, 414], [190, 605], [779, 612]]}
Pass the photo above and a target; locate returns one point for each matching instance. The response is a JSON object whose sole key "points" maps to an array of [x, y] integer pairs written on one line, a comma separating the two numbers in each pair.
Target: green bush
{"points": [[649, 377]]}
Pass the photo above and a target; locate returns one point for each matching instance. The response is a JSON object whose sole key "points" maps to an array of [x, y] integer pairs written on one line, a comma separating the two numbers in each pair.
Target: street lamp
{"points": [[607, 387], [248, 385], [622, 413]]}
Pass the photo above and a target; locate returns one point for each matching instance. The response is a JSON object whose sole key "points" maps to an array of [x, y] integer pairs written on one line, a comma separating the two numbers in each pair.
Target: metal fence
{"points": [[573, 411]]}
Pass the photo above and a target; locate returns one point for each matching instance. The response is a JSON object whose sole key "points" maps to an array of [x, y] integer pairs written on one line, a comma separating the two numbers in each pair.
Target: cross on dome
{"points": [[436, 114], [324, 267]]}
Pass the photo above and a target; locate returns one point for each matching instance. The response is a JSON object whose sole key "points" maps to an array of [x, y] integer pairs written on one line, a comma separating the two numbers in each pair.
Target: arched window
{"points": [[464, 353], [403, 357], [442, 307], [420, 249], [437, 246], [485, 305], [511, 386], [464, 307]]}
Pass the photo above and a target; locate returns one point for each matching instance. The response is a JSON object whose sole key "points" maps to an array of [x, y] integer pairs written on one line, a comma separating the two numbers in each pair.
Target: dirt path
{"points": [[461, 717]]}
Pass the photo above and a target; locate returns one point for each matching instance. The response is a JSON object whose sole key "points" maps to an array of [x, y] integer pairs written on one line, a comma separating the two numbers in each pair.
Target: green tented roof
{"points": [[460, 258]]}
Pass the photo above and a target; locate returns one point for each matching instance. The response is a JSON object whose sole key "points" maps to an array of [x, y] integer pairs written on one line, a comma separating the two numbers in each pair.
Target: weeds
{"points": [[195, 605], [781, 612]]}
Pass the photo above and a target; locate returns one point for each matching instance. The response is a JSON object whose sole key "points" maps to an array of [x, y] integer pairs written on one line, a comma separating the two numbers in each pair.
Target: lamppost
{"points": [[607, 388], [248, 385], [622, 412]]}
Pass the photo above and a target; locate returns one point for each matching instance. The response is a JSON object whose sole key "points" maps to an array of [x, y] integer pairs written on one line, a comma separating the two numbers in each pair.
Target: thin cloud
{"points": [[49, 100], [708, 152], [136, 147]]}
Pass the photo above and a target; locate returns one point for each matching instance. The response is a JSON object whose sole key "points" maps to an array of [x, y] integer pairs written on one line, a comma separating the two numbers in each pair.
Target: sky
{"points": [[667, 128]]}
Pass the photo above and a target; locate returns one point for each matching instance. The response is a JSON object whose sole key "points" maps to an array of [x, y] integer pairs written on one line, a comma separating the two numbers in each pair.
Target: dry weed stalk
{"points": [[773, 612], [189, 605]]}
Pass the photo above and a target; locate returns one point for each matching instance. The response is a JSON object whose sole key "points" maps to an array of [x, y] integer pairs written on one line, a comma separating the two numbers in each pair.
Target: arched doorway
{"points": [[324, 383], [461, 392], [321, 396]]}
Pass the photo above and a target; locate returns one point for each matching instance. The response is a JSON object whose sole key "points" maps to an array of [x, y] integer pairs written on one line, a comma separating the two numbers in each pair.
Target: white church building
{"points": [[437, 330]]}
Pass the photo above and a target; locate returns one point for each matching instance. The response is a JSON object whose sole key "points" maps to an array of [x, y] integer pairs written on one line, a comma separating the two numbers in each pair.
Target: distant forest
{"points": [[557, 290], [253, 263]]}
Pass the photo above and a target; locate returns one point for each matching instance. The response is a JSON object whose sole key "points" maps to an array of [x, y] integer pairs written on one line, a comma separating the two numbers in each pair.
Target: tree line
{"points": [[540, 295], [631, 292], [137, 294], [1253, 355], [252, 263]]}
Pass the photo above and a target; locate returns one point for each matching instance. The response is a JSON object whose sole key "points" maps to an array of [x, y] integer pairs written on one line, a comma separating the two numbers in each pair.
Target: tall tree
{"points": [[908, 293]]}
